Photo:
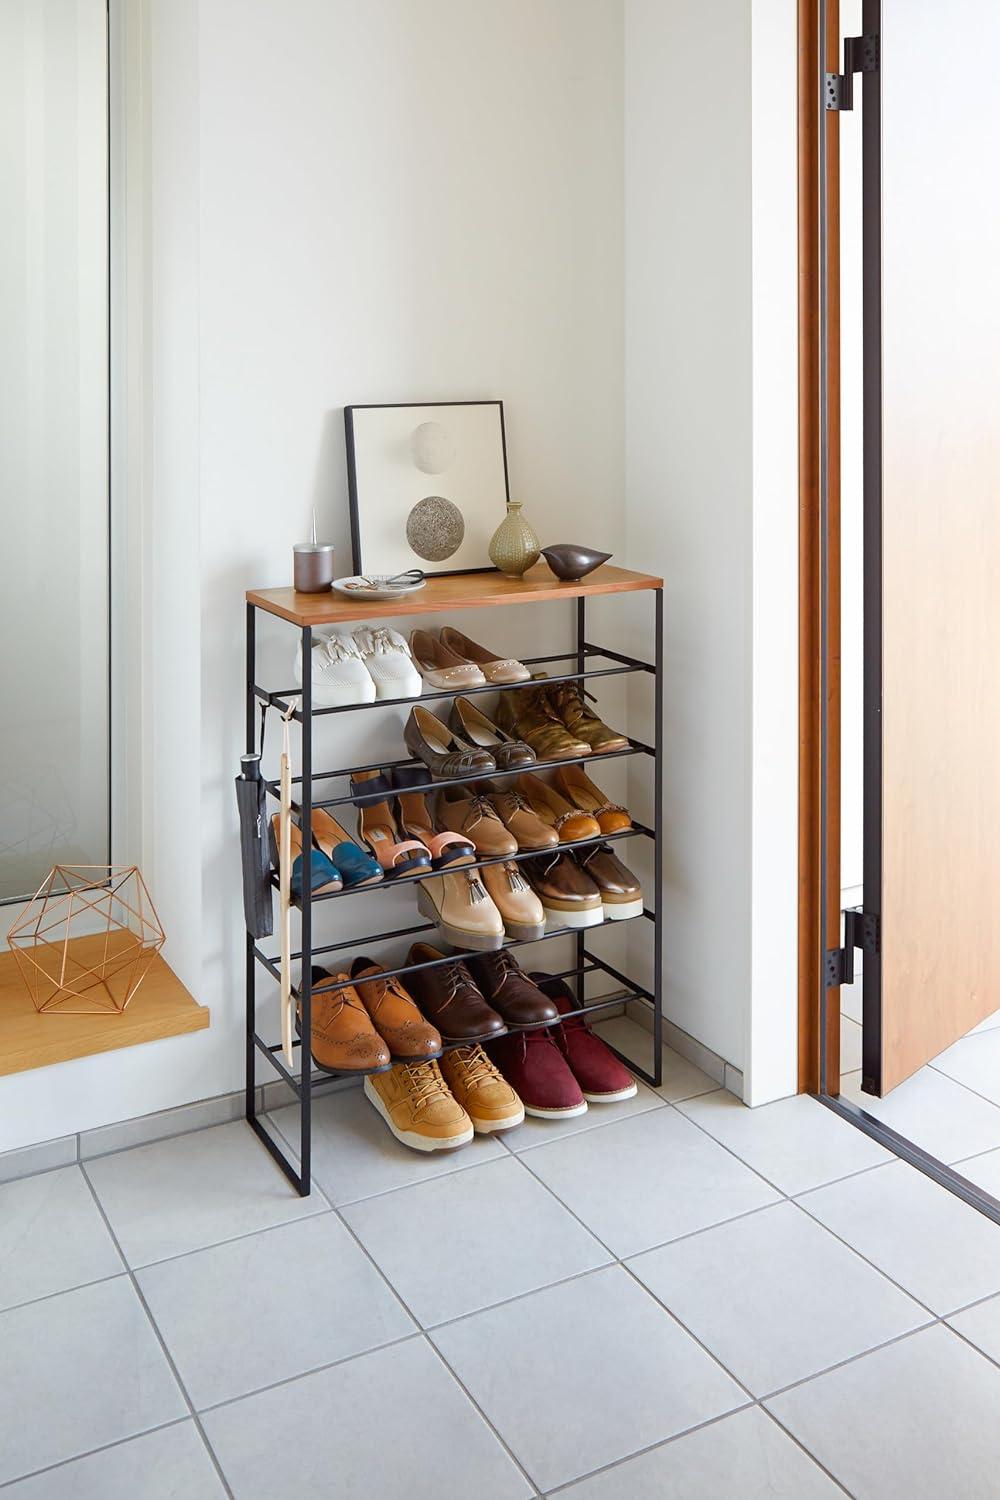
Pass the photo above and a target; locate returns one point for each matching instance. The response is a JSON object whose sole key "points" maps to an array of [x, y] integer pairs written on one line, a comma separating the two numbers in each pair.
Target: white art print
{"points": [[428, 485]]}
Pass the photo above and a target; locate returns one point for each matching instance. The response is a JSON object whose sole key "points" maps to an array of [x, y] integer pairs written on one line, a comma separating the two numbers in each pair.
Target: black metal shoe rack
{"points": [[312, 789]]}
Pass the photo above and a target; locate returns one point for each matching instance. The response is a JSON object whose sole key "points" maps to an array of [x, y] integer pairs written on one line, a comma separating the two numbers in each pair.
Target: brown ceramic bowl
{"points": [[571, 563]]}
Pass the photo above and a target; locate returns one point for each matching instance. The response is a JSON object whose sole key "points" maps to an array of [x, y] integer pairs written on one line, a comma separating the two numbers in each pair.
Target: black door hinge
{"points": [[860, 56], [860, 931]]}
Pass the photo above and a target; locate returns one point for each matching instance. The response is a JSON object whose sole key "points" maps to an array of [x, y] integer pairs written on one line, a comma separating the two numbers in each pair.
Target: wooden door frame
{"points": [[819, 555]]}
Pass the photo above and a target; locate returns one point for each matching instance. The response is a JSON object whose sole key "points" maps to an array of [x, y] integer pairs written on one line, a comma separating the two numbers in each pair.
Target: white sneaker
{"points": [[339, 675], [387, 657]]}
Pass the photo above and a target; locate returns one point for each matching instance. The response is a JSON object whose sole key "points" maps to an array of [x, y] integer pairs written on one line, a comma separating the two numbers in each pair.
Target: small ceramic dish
{"points": [[571, 563], [378, 586]]}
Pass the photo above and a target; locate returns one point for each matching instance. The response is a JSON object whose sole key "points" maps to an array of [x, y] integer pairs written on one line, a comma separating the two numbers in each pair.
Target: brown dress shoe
{"points": [[394, 1014], [440, 750], [449, 997], [517, 817], [621, 892], [527, 714], [511, 992], [567, 821], [577, 787], [568, 895], [470, 724], [343, 1037], [567, 701], [464, 810]]}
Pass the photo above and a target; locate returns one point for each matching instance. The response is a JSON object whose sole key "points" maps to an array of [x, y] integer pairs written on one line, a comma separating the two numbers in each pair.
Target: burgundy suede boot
{"points": [[603, 1079], [536, 1069]]}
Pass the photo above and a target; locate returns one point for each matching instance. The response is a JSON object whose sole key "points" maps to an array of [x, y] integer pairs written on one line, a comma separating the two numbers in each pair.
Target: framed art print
{"points": [[428, 485]]}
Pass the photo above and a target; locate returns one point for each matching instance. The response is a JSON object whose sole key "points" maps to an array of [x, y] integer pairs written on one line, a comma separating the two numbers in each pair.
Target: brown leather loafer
{"points": [[450, 999], [470, 724], [394, 1014], [462, 810], [569, 896], [567, 702], [440, 750], [511, 992], [526, 714], [621, 892], [343, 1037], [568, 822]]}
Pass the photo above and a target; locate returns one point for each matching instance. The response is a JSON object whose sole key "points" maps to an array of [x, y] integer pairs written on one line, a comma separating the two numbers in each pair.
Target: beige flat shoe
{"points": [[441, 667], [462, 910], [494, 668]]}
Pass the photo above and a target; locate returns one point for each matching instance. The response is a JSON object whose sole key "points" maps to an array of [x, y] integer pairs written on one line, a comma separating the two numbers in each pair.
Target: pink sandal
{"points": [[378, 832]]}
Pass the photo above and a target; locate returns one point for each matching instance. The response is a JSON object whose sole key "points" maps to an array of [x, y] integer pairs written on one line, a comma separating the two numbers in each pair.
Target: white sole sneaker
{"points": [[615, 1098], [621, 911], [495, 1127], [575, 919], [556, 1114], [410, 1137]]}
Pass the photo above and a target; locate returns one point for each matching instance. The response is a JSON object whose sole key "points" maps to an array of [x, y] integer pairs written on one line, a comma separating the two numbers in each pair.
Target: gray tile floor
{"points": [[679, 1298]]}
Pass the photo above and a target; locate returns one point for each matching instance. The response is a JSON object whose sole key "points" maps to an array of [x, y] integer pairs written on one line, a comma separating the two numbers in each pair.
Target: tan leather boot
{"points": [[567, 701], [419, 1108], [525, 713], [481, 1089]]}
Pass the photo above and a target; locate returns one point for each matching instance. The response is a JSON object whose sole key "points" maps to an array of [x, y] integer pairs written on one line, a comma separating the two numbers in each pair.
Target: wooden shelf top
{"points": [[161, 1007], [463, 591]]}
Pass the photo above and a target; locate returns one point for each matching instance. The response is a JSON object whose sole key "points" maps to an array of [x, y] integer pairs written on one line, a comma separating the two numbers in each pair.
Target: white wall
{"points": [[712, 504], [386, 202], [554, 201]]}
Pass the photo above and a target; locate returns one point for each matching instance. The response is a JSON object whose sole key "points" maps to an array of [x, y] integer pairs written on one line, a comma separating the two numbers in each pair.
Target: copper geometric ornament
{"points": [[86, 939]]}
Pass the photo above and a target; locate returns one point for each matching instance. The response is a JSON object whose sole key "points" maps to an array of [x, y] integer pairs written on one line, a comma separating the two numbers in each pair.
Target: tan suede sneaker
{"points": [[419, 1108], [481, 1089]]}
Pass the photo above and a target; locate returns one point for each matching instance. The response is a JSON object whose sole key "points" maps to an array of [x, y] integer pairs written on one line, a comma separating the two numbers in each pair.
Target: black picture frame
{"points": [[357, 560]]}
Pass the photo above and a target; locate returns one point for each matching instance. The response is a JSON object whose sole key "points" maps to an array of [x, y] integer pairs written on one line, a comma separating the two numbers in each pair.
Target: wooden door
{"points": [[932, 498]]}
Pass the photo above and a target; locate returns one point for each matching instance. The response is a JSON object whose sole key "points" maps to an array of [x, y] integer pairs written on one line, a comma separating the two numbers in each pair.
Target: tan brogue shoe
{"points": [[394, 1013], [419, 1108], [343, 1037], [482, 1090]]}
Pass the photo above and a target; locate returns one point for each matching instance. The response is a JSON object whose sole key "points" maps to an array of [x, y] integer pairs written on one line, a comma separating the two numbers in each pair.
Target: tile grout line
{"points": [[159, 1338], [808, 1453], [421, 1332], [852, 1359], [333, 1364], [536, 1489], [869, 1262], [62, 1292], [617, 1463], [74, 1458]]}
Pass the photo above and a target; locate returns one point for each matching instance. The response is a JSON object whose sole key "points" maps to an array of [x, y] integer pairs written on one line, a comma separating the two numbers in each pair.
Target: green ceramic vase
{"points": [[513, 546]]}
